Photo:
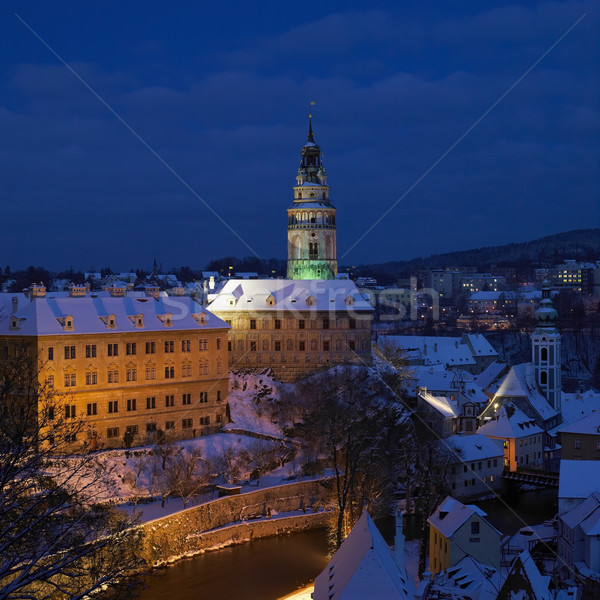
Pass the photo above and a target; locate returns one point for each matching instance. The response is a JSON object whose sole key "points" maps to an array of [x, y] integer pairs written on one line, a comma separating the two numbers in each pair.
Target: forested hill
{"points": [[581, 244]]}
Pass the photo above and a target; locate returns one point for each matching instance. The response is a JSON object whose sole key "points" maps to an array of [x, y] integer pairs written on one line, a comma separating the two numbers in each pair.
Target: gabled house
{"points": [[363, 567], [581, 440], [525, 581], [457, 530]]}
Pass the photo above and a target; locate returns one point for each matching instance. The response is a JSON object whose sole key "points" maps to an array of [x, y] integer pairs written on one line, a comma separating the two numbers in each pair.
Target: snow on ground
{"points": [[252, 399]]}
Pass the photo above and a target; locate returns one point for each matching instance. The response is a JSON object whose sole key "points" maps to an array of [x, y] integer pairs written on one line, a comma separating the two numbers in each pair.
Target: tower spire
{"points": [[311, 137]]}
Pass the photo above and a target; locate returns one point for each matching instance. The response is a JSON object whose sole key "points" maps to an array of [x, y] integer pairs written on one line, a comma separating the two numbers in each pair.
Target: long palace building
{"points": [[129, 365]]}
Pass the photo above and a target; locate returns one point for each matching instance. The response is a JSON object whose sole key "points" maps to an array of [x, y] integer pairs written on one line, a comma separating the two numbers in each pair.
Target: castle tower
{"points": [[545, 347], [312, 252]]}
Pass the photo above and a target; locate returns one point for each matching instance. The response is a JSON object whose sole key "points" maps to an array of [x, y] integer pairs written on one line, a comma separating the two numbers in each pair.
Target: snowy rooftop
{"points": [[587, 512], [451, 514], [469, 577], [292, 295], [443, 405], [363, 567], [490, 375], [509, 422], [588, 425], [524, 567], [578, 478], [89, 314], [433, 350], [576, 405], [475, 447]]}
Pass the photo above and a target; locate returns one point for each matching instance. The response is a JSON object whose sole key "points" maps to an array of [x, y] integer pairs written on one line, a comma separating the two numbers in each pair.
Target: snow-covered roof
{"points": [[535, 586], [520, 383], [588, 510], [469, 577], [490, 375], [433, 350], [475, 447], [589, 425], [105, 314], [509, 422], [443, 405], [362, 567], [452, 514], [578, 478], [492, 296], [6, 303], [575, 405], [290, 295]]}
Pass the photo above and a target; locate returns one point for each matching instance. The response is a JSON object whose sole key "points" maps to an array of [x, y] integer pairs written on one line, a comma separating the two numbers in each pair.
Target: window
{"points": [[90, 351], [203, 368], [150, 347], [495, 462], [169, 346], [70, 380], [150, 427], [113, 349], [204, 420], [301, 323], [203, 397], [92, 409], [131, 404], [352, 324], [577, 443], [186, 345], [169, 372], [229, 346], [113, 376], [352, 345], [326, 323], [69, 352], [597, 441], [219, 418], [277, 346], [113, 406], [150, 403], [170, 425], [131, 375], [186, 399], [252, 323], [50, 381], [132, 429], [186, 370], [70, 411], [150, 373], [474, 527], [130, 348], [489, 463], [252, 346], [326, 346], [91, 378], [301, 346], [543, 378], [50, 353], [218, 343], [219, 369], [203, 344], [112, 432], [479, 466], [187, 423], [277, 323], [218, 395], [170, 400]]}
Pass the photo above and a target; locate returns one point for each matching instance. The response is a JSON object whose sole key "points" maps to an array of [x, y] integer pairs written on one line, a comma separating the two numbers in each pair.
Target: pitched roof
{"points": [[362, 567], [475, 447], [252, 294], [525, 580], [451, 514], [587, 512], [578, 478], [588, 425], [46, 316], [469, 578], [509, 422]]}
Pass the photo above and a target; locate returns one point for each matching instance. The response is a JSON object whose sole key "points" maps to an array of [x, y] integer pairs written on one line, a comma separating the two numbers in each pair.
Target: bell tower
{"points": [[312, 252], [545, 348]]}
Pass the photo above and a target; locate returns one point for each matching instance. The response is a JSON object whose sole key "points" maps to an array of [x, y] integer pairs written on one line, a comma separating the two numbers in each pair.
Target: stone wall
{"points": [[226, 521]]}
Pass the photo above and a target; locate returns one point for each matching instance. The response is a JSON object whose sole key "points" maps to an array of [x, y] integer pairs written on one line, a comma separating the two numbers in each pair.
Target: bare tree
{"points": [[58, 536]]}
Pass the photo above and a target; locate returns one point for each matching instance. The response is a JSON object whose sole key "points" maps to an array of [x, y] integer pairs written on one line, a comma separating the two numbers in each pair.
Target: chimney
{"points": [[15, 304], [399, 545]]}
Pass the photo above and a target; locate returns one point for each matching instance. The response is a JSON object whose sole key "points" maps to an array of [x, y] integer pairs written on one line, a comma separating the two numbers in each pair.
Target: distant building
{"points": [[482, 282], [446, 283], [581, 440], [457, 530], [578, 479]]}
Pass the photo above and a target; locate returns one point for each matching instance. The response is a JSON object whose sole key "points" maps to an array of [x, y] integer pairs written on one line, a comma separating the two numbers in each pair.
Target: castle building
{"points": [[312, 245], [310, 321], [129, 366]]}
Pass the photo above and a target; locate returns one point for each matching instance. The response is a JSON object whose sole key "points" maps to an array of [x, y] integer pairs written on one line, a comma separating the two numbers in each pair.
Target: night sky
{"points": [[220, 92]]}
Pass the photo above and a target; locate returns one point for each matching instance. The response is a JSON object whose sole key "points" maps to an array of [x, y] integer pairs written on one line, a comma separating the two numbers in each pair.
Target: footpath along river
{"points": [[270, 568]]}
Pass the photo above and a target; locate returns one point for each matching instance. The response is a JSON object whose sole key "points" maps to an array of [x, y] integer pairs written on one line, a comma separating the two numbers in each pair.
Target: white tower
{"points": [[311, 220], [545, 348]]}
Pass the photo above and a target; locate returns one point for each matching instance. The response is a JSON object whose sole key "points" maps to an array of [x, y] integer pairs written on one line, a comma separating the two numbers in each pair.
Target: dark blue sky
{"points": [[220, 91]]}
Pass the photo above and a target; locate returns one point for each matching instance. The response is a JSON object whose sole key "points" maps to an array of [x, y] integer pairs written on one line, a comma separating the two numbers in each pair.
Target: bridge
{"points": [[539, 478]]}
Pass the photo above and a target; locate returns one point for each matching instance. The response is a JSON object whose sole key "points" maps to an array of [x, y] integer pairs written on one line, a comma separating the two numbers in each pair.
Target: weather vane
{"points": [[310, 110]]}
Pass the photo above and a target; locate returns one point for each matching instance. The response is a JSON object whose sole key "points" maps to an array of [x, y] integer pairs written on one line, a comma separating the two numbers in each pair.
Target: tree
{"points": [[59, 538], [352, 425]]}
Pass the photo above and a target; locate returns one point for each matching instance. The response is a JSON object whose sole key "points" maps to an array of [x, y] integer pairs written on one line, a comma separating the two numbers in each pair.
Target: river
{"points": [[270, 568]]}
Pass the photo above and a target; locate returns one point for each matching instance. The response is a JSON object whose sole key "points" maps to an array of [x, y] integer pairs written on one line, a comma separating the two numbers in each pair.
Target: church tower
{"points": [[312, 252], [545, 347]]}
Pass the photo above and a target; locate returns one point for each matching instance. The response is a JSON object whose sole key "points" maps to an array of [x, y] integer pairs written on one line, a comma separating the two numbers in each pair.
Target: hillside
{"points": [[581, 244]]}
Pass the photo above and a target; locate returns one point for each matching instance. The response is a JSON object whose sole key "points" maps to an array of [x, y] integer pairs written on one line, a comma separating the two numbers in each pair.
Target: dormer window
{"points": [[270, 300], [200, 318], [166, 320], [66, 322], [349, 300], [110, 321], [310, 301], [137, 320]]}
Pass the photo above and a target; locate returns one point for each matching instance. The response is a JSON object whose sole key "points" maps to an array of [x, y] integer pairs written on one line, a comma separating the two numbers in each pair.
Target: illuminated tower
{"points": [[545, 347], [312, 250]]}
